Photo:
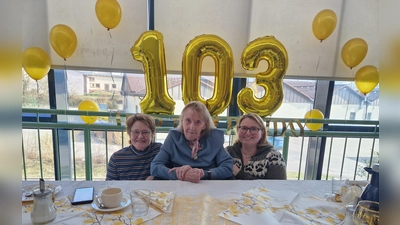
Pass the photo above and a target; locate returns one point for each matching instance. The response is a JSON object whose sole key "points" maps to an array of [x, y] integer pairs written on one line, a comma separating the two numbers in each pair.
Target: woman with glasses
{"points": [[253, 156], [193, 151], [133, 162]]}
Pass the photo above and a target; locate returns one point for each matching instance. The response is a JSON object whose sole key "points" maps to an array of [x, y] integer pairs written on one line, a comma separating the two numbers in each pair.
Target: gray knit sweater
{"points": [[267, 163]]}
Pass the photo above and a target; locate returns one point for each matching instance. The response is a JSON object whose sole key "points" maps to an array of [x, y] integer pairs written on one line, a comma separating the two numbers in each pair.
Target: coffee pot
{"points": [[371, 191]]}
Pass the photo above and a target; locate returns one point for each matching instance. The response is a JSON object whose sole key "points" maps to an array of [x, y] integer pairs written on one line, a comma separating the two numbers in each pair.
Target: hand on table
{"points": [[194, 175], [180, 171]]}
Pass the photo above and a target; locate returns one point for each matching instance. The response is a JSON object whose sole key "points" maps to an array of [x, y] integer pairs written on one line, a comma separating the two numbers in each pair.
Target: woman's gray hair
{"points": [[202, 112]]}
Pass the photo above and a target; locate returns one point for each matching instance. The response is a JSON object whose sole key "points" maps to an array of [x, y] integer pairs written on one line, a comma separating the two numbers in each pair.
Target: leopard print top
{"points": [[267, 163]]}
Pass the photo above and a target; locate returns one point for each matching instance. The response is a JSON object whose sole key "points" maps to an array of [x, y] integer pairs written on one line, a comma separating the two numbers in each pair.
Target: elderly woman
{"points": [[133, 162], [193, 151], [254, 157]]}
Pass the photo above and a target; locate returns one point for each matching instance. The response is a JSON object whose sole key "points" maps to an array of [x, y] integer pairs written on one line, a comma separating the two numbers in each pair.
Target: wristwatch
{"points": [[208, 174]]}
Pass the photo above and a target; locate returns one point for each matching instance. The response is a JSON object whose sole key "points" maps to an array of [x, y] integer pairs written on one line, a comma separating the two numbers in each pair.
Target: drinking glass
{"points": [[366, 213], [140, 202]]}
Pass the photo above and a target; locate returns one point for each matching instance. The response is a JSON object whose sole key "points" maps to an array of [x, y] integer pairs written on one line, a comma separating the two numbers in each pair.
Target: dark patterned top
{"points": [[130, 164], [267, 163]]}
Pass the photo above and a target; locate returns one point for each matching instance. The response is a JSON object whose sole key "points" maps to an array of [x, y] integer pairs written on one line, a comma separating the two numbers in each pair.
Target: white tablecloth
{"points": [[208, 196]]}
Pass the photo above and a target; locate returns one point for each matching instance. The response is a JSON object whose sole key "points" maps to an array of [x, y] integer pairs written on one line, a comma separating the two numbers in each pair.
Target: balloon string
{"points": [[316, 68], [112, 43], [37, 94], [366, 106], [66, 85]]}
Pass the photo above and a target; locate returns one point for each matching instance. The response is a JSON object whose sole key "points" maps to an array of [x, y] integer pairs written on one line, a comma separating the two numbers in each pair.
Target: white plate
{"points": [[126, 201], [57, 188]]}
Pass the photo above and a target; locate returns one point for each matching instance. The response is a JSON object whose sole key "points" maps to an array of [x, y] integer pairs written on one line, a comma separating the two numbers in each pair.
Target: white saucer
{"points": [[126, 201], [57, 188]]}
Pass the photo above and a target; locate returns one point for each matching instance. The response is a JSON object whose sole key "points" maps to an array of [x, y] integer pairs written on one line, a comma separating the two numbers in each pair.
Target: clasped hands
{"points": [[187, 173]]}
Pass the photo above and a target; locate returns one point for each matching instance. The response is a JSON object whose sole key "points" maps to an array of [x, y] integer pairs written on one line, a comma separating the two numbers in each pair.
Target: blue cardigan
{"points": [[175, 152]]}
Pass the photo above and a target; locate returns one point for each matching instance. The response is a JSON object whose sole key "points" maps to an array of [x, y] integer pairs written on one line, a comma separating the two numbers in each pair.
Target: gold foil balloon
{"points": [[354, 52], [324, 24], [63, 40], [89, 105], [36, 62], [149, 49], [108, 12], [314, 114], [270, 49], [195, 51], [366, 79]]}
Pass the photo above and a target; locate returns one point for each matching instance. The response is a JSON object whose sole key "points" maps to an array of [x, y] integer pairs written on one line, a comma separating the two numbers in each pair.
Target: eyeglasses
{"points": [[144, 133], [253, 130]]}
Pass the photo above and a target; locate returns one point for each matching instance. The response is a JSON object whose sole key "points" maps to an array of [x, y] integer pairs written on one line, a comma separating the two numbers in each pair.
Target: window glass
{"points": [[35, 94], [298, 97], [349, 104]]}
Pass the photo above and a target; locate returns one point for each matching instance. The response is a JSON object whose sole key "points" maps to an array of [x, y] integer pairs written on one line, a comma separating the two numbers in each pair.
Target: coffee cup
{"points": [[111, 197]]}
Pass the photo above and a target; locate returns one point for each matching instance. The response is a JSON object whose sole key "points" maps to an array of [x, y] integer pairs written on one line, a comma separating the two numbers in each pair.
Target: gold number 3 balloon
{"points": [[270, 49], [198, 48]]}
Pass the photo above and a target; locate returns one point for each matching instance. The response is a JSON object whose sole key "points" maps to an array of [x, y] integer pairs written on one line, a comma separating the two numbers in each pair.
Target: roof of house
{"points": [[137, 86]]}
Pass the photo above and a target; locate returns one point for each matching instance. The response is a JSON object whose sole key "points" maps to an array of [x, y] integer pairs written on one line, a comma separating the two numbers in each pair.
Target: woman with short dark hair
{"points": [[133, 162]]}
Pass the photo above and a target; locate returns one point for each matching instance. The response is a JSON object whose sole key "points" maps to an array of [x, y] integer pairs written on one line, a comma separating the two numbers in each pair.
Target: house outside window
{"points": [[91, 79]]}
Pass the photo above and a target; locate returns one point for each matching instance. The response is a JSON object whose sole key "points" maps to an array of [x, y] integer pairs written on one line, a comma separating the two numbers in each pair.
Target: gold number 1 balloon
{"points": [[270, 49], [198, 48], [149, 49]]}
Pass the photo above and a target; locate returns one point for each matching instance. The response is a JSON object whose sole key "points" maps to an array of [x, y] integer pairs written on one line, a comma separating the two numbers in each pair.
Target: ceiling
{"points": [[237, 22]]}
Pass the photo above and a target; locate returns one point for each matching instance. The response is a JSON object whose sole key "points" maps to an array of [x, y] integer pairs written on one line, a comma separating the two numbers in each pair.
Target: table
{"points": [[211, 196]]}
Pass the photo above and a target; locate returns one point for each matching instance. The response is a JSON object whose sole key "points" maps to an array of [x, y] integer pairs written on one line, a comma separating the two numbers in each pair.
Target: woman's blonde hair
{"points": [[202, 112], [263, 140], [148, 120]]}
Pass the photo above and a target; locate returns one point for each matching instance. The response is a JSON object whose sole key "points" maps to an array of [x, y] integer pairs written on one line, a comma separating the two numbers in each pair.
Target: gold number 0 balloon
{"points": [[270, 49], [195, 51], [149, 49]]}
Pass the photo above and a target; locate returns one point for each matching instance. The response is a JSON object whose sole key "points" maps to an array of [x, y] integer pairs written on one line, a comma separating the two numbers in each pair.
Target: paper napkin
{"points": [[160, 199]]}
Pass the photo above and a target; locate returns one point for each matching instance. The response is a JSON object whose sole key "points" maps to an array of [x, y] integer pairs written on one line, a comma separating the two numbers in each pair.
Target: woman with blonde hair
{"points": [[253, 156], [193, 151]]}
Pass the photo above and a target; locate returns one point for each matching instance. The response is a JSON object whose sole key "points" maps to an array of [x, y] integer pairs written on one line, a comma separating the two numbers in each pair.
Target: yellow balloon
{"points": [[195, 51], [324, 24], [63, 40], [366, 79], [149, 49], [314, 114], [354, 52], [89, 105], [36, 62], [108, 12], [270, 49]]}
